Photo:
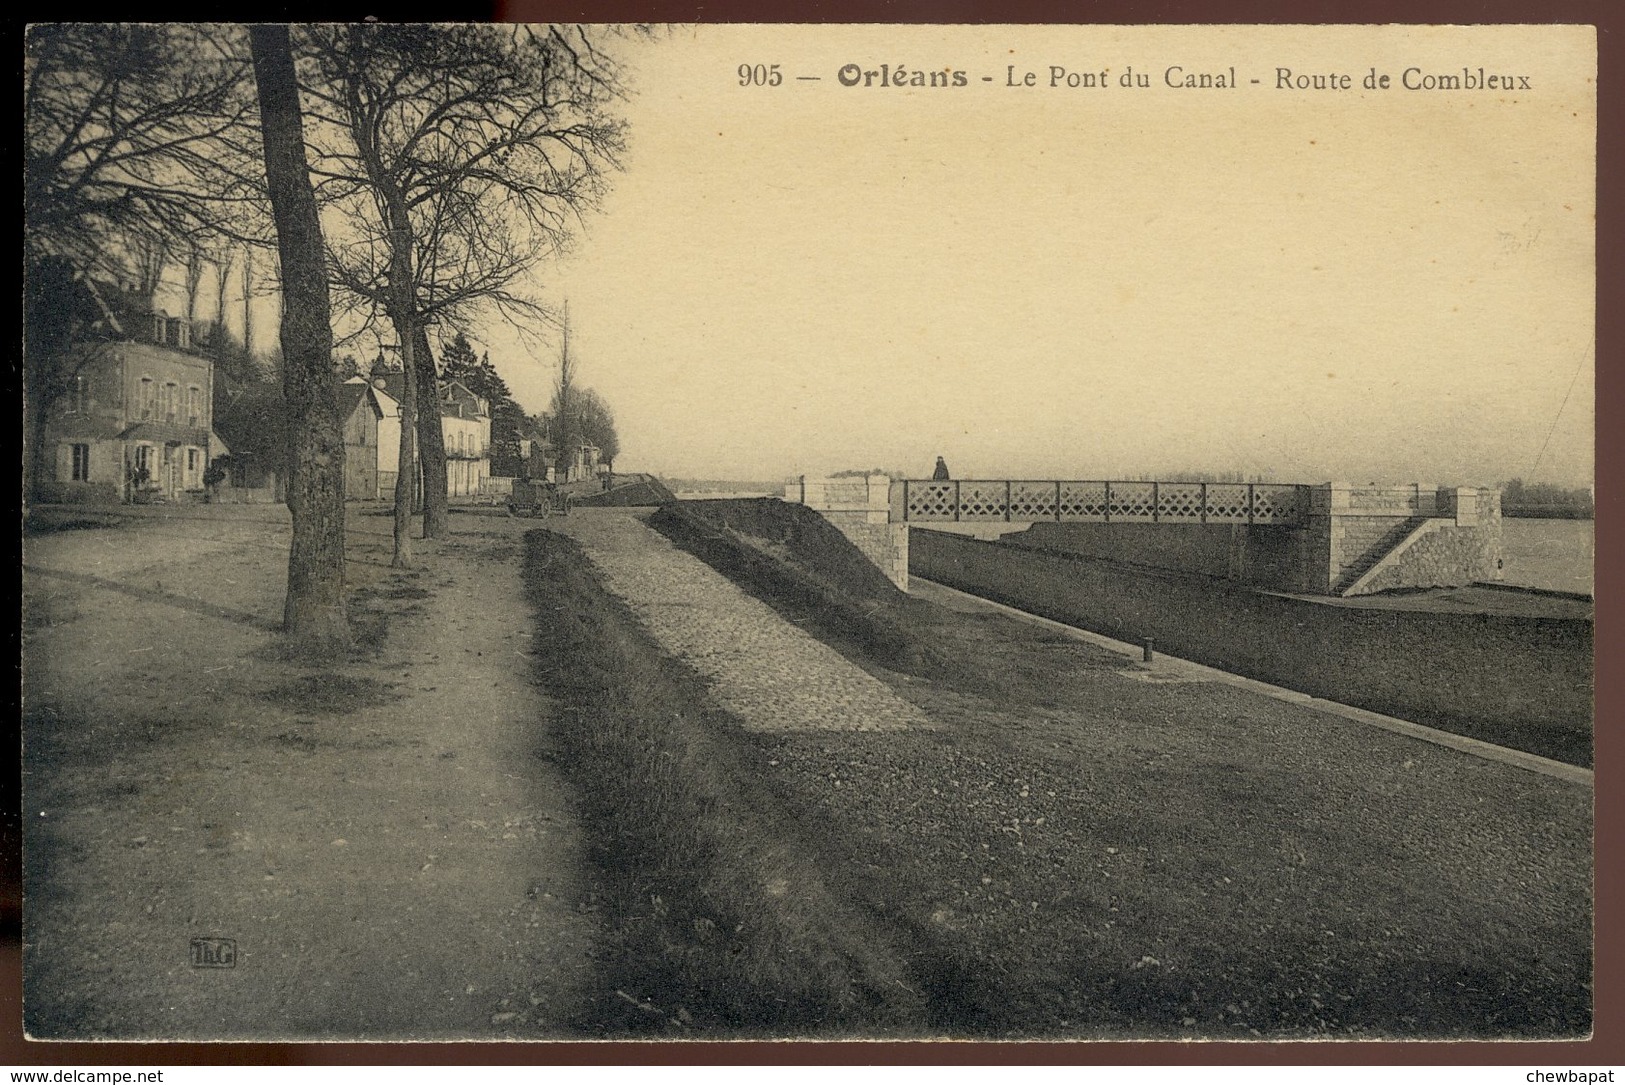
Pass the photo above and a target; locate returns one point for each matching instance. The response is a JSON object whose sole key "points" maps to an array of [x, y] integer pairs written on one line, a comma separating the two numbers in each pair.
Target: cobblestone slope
{"points": [[773, 676]]}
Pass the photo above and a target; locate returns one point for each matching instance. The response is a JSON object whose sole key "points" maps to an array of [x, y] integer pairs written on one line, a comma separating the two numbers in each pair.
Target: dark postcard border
{"points": [[1606, 1047]]}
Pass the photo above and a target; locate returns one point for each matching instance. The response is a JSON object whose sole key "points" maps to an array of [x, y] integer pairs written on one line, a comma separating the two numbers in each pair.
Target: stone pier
{"points": [[860, 508]]}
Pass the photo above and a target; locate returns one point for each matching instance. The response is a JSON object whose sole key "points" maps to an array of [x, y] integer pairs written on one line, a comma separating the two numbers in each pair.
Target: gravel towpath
{"points": [[772, 675], [384, 843]]}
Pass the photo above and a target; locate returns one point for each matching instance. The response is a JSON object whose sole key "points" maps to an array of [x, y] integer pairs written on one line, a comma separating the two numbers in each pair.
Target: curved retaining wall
{"points": [[1514, 680]]}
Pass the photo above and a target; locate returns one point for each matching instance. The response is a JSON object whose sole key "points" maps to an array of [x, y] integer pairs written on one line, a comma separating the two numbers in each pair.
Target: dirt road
{"points": [[378, 847]]}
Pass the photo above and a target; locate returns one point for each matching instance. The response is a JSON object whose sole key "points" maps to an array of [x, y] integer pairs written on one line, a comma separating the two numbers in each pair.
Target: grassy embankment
{"points": [[713, 919], [1072, 852]]}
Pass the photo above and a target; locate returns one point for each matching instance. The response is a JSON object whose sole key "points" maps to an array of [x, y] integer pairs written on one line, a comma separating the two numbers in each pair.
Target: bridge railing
{"points": [[985, 500]]}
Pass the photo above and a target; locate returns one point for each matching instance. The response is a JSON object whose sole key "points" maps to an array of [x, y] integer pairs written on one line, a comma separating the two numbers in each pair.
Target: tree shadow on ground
{"points": [[164, 598]]}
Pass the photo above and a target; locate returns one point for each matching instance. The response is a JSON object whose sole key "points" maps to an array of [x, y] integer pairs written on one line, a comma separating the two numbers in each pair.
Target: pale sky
{"points": [[1063, 282], [1094, 282]]}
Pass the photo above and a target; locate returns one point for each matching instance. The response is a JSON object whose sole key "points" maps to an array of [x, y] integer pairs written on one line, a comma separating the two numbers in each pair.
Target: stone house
{"points": [[137, 421], [579, 463]]}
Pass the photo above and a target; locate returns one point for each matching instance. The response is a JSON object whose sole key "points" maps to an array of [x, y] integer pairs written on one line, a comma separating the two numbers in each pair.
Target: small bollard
{"points": [[1149, 654]]}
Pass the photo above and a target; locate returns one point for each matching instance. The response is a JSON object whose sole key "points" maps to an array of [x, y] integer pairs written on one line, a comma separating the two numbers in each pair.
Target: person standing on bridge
{"points": [[941, 473]]}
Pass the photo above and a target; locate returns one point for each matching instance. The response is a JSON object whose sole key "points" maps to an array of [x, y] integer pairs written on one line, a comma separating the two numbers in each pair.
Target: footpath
{"points": [[222, 844]]}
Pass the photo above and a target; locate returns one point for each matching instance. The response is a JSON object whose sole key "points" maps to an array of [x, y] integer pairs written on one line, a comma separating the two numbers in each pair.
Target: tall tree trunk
{"points": [[222, 273], [402, 307], [248, 303], [432, 441], [194, 282], [222, 276], [314, 614], [36, 409], [564, 405]]}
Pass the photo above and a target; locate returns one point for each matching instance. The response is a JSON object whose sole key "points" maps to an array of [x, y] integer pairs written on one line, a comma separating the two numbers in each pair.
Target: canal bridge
{"points": [[1327, 538]]}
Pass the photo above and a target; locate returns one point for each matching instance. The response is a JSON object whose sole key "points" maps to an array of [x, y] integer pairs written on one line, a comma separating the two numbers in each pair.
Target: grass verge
{"points": [[1081, 851], [713, 920]]}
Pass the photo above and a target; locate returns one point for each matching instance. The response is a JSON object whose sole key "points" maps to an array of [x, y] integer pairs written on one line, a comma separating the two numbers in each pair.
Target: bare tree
{"points": [[474, 148], [248, 302], [194, 280], [564, 389], [130, 133], [148, 255], [222, 261], [314, 613], [597, 424], [133, 128]]}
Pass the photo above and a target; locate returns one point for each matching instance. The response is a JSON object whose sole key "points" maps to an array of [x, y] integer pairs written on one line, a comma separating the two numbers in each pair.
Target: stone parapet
{"points": [[1379, 538], [860, 508]]}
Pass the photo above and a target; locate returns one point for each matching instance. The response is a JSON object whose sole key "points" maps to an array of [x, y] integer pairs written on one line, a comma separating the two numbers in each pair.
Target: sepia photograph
{"points": [[552, 532]]}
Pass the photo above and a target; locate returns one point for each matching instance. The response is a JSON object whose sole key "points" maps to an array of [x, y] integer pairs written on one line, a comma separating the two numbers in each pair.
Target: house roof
{"points": [[456, 398], [165, 432], [350, 396], [356, 389], [255, 421]]}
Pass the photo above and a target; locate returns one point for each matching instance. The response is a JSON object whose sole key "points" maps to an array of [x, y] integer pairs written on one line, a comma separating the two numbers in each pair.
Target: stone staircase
{"points": [[1393, 542]]}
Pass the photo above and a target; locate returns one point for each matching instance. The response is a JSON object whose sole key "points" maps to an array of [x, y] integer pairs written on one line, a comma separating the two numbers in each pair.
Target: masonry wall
{"points": [[860, 508], [884, 544], [1449, 555], [1382, 539], [1516, 680], [105, 484], [1348, 531], [1265, 554]]}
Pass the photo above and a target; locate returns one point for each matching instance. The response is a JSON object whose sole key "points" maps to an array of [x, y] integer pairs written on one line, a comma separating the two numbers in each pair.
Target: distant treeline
{"points": [[1546, 501], [722, 486], [1200, 476]]}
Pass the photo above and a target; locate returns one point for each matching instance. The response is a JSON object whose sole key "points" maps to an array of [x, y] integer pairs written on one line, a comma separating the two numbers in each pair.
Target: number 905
{"points": [[760, 75]]}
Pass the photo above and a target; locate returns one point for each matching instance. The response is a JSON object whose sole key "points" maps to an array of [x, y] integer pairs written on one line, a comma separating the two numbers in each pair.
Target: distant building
{"points": [[580, 463], [372, 440], [465, 420], [465, 426], [536, 457]]}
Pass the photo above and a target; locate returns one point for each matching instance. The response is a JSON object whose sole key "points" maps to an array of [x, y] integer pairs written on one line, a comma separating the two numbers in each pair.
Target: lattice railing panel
{"points": [[1134, 500], [1032, 501], [1227, 503], [930, 501], [1083, 501], [1274, 504], [1179, 501], [1142, 502], [981, 500]]}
